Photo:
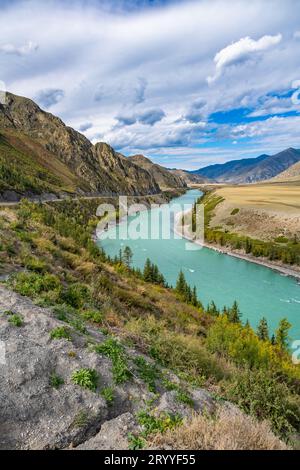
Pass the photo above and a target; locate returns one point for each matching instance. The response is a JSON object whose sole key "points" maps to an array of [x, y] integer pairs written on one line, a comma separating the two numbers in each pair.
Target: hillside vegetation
{"points": [[52, 259]]}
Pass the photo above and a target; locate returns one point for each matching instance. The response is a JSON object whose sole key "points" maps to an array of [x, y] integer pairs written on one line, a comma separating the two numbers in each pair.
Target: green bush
{"points": [[16, 320], [262, 395], [76, 295], [86, 378], [157, 424], [33, 284], [60, 332]]}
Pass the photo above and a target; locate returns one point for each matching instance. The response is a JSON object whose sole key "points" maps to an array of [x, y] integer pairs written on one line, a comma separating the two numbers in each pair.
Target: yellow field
{"points": [[271, 197], [263, 211]]}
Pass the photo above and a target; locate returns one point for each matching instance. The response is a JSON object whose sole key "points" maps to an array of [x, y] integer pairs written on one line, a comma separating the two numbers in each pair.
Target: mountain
{"points": [[291, 174], [251, 170], [165, 178], [190, 178], [39, 152]]}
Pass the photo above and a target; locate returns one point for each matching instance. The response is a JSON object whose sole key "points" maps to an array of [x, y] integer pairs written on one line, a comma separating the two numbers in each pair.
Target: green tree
{"points": [[282, 334], [181, 285], [234, 313], [263, 329], [147, 273], [127, 256]]}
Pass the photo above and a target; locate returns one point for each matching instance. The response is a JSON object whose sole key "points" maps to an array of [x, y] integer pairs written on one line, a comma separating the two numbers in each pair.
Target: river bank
{"points": [[279, 267]]}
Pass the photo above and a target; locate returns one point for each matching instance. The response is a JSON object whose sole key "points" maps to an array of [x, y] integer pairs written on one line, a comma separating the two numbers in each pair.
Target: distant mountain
{"points": [[291, 174], [38, 153], [166, 179], [251, 170], [190, 178]]}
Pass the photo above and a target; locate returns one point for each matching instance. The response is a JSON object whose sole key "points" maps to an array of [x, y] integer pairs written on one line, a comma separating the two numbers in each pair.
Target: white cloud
{"points": [[23, 50], [114, 63], [242, 51], [297, 34]]}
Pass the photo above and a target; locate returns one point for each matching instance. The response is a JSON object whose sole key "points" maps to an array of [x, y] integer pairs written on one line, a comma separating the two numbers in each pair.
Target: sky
{"points": [[186, 83]]}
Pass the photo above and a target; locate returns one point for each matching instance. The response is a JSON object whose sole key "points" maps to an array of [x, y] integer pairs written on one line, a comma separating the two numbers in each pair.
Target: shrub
{"points": [[108, 394], [135, 442], [92, 315], [148, 372], [235, 211], [32, 284], [60, 332], [115, 351], [152, 424], [261, 394], [16, 320], [35, 264], [76, 295], [86, 378], [56, 381]]}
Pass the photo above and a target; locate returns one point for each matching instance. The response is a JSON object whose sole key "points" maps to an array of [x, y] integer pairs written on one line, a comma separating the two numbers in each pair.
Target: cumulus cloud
{"points": [[23, 50], [242, 51], [50, 96]]}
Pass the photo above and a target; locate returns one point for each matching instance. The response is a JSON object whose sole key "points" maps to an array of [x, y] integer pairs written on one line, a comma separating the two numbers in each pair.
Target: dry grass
{"points": [[266, 211], [226, 431], [275, 198]]}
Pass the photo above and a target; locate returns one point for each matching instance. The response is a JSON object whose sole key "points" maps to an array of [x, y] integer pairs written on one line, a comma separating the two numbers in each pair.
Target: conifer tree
{"points": [[147, 273], [127, 256], [181, 284], [263, 330], [282, 334], [234, 313]]}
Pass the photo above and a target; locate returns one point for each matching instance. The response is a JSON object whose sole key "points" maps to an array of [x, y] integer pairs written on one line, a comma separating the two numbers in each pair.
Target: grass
{"points": [[224, 431], [80, 420], [115, 351], [148, 372], [135, 442], [108, 394], [85, 378], [61, 332]]}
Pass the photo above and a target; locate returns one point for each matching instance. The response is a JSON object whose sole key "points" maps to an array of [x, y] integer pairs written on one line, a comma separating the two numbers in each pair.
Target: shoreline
{"points": [[284, 270]]}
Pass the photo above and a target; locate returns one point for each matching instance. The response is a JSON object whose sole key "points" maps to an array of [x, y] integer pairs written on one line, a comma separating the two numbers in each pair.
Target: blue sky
{"points": [[187, 83]]}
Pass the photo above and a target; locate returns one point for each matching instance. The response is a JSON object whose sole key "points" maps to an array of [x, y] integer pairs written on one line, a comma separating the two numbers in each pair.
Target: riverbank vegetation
{"points": [[50, 252], [281, 249]]}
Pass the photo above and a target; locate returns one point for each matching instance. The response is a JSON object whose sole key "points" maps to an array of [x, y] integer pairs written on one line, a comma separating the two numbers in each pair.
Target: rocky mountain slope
{"points": [[165, 178], [190, 178], [40, 137], [291, 174], [251, 170]]}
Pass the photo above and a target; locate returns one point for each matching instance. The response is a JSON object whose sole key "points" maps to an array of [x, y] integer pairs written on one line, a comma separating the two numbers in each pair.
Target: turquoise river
{"points": [[260, 291]]}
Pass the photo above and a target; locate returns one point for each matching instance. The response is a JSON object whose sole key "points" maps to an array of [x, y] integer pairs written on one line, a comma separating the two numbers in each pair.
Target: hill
{"points": [[41, 141], [165, 178], [190, 178], [251, 170], [291, 174]]}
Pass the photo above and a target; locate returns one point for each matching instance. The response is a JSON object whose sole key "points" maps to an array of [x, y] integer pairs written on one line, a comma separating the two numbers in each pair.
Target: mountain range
{"points": [[251, 170], [39, 153]]}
